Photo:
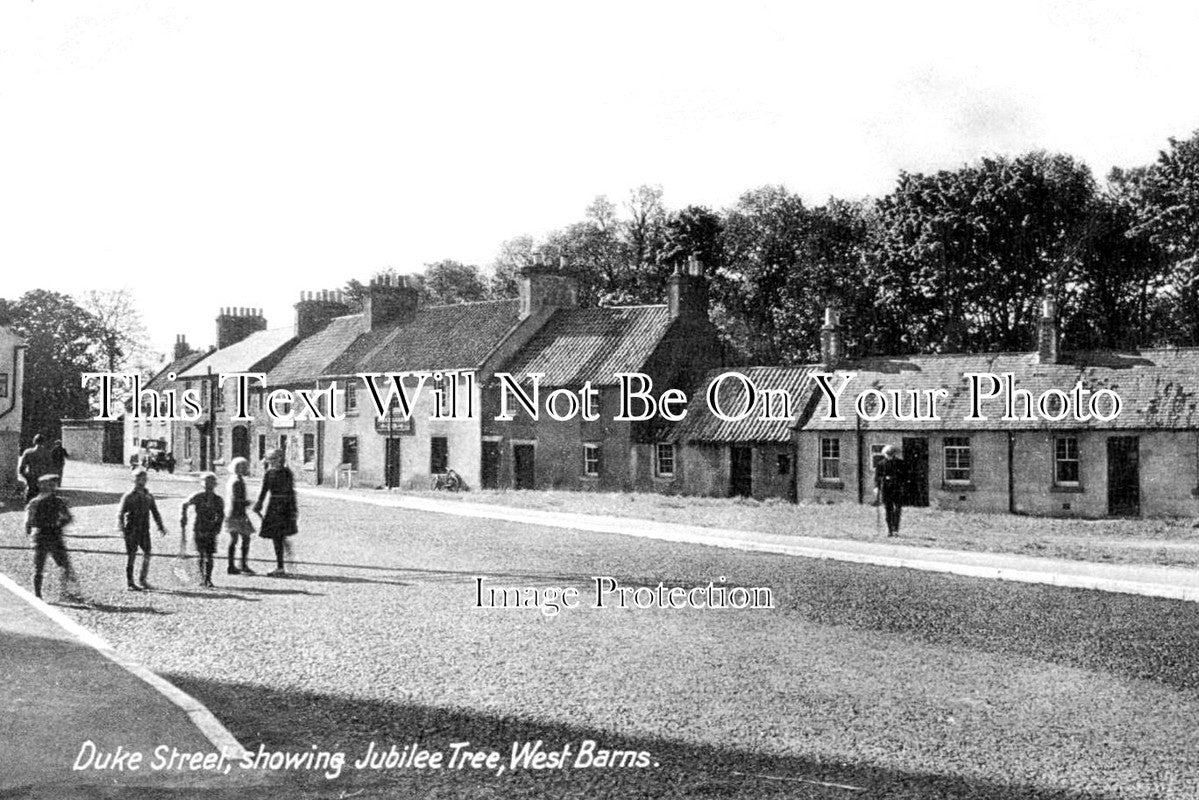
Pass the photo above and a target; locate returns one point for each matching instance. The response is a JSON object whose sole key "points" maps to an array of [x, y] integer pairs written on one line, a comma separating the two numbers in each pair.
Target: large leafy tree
{"points": [[446, 282], [1165, 201], [63, 341], [762, 244], [964, 255]]}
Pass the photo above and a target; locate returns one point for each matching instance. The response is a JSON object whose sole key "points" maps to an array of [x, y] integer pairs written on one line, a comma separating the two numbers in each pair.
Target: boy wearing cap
{"points": [[45, 517], [210, 513], [133, 518]]}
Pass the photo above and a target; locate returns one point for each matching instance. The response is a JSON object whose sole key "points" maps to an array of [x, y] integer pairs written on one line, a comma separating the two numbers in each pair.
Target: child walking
{"points": [[133, 518], [45, 517], [210, 513], [237, 521], [279, 520]]}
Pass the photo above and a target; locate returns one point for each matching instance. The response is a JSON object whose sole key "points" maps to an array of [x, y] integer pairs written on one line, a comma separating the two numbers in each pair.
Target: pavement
{"points": [[64, 686], [70, 703]]}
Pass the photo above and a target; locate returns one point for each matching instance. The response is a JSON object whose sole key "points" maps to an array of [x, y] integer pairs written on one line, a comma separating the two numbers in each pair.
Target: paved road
{"points": [[905, 684]]}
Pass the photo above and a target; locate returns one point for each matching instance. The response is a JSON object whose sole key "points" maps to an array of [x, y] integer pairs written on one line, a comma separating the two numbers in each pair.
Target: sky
{"points": [[210, 154]]}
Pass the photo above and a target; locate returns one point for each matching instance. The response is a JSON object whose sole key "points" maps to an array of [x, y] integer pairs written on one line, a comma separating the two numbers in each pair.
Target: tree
{"points": [[1165, 201], [124, 342], [761, 243], [515, 254], [447, 282], [62, 339], [964, 256]]}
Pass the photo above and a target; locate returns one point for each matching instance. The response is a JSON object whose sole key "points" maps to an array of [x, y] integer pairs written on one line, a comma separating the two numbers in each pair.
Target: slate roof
{"points": [[701, 425], [578, 345], [258, 352], [450, 337], [1159, 388], [180, 365], [313, 354]]}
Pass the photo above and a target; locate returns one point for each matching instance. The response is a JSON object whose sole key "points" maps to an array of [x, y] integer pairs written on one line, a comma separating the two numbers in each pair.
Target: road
{"points": [[859, 682]]}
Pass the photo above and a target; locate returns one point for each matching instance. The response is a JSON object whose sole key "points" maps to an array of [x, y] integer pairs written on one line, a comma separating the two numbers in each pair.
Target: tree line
{"points": [[954, 261]]}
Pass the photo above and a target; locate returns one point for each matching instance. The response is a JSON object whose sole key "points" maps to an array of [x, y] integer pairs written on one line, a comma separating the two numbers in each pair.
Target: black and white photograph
{"points": [[611, 400]]}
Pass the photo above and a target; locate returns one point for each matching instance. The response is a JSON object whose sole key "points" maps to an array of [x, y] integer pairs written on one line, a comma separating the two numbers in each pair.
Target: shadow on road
{"points": [[299, 721]]}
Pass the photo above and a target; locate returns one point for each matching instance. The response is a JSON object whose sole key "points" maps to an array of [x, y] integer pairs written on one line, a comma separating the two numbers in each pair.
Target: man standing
{"points": [[889, 481], [34, 463]]}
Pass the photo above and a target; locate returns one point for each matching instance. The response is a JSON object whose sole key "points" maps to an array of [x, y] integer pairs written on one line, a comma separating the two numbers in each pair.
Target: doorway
{"points": [[524, 474], [741, 471], [240, 442], [489, 474], [915, 462], [391, 462], [1123, 476]]}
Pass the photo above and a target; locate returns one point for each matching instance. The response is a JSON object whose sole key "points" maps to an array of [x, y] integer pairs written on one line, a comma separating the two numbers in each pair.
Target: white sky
{"points": [[209, 154]]}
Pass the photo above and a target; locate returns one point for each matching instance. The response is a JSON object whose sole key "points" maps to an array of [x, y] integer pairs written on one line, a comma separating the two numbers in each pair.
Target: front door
{"points": [[490, 468], [915, 464], [741, 471], [241, 442], [1123, 476], [523, 472], [391, 462]]}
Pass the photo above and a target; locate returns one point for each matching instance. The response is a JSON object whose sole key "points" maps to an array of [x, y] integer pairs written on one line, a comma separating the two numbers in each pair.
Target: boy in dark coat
{"points": [[45, 517], [210, 513], [133, 518]]}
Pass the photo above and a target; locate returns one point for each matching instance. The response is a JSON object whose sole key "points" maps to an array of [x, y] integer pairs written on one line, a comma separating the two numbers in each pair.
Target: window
{"points": [[957, 459], [220, 443], [3, 384], [349, 451], [830, 459], [187, 442], [351, 398], [593, 403], [309, 449], [664, 461], [439, 455], [219, 393], [261, 446], [283, 444], [1065, 461], [784, 464], [591, 459], [442, 388]]}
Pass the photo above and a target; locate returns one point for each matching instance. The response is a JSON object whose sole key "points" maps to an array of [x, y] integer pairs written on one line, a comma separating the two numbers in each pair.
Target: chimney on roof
{"points": [[235, 324], [316, 309], [687, 292], [181, 348], [544, 287], [1047, 332], [389, 301], [832, 340]]}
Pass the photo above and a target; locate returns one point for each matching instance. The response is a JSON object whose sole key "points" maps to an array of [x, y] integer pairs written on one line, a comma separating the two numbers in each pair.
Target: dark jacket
{"points": [[137, 506], [47, 514], [210, 512], [279, 521], [890, 477]]}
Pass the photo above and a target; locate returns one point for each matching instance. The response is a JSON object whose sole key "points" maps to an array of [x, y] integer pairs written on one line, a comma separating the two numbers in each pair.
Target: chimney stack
{"points": [[687, 292], [543, 287], [1047, 332], [316, 309], [181, 348], [389, 301], [832, 341], [235, 324]]}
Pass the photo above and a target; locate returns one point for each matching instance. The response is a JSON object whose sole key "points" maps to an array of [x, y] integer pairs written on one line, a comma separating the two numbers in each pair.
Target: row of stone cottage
{"points": [[1144, 462]]}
